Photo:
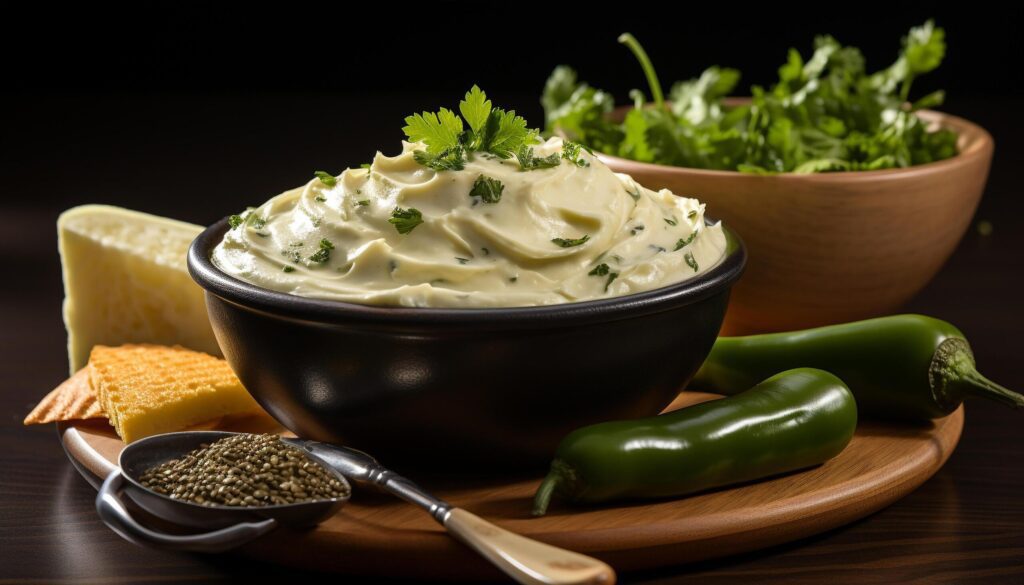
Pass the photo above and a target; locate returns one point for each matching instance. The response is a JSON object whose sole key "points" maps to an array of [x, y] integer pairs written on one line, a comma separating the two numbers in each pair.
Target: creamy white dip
{"points": [[336, 241]]}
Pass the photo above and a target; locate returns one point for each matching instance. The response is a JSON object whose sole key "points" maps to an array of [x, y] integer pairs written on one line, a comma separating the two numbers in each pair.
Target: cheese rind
{"points": [[149, 389], [126, 281]]}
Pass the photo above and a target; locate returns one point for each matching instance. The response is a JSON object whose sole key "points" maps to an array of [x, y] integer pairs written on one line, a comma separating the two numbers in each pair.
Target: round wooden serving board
{"points": [[376, 534]]}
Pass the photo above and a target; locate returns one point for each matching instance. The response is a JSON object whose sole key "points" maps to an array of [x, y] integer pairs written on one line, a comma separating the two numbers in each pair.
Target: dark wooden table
{"points": [[198, 158]]}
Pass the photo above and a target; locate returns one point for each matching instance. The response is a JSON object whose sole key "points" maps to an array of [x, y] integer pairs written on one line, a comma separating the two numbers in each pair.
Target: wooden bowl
{"points": [[835, 247]]}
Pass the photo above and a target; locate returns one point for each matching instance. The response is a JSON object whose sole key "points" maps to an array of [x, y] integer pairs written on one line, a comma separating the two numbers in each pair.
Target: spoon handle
{"points": [[525, 560]]}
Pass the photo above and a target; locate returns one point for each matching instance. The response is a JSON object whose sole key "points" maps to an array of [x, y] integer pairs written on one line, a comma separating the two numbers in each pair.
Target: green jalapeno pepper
{"points": [[903, 366], [793, 420]]}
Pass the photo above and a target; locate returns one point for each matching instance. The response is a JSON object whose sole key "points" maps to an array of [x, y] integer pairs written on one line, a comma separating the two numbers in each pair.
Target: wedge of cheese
{"points": [[125, 281], [151, 389]]}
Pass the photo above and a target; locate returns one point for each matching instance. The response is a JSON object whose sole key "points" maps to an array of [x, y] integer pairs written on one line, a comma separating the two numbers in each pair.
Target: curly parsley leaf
{"points": [[405, 220], [487, 189], [439, 131], [475, 108]]}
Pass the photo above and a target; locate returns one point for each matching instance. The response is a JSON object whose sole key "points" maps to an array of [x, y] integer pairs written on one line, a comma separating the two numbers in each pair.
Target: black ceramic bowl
{"points": [[452, 387]]}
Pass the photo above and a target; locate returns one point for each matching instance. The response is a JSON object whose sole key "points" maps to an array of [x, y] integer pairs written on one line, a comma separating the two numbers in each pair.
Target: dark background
{"points": [[194, 112]]}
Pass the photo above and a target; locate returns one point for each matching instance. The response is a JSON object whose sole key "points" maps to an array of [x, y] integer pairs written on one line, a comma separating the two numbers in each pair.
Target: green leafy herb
{"points": [[322, 255], [367, 166], [570, 242], [326, 178], [571, 152], [450, 141], [691, 261], [671, 221], [405, 220], [462, 260], [692, 214], [320, 199], [529, 162], [611, 277], [288, 269], [825, 114], [604, 270], [235, 220], [683, 242], [363, 202], [636, 229], [487, 189]]}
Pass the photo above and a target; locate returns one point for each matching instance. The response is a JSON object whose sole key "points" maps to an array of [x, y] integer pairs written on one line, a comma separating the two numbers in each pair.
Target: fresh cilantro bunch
{"points": [[824, 114], [452, 139]]}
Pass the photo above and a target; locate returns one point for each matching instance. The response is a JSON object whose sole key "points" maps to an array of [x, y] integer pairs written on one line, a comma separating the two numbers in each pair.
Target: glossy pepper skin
{"points": [[903, 366], [792, 420]]}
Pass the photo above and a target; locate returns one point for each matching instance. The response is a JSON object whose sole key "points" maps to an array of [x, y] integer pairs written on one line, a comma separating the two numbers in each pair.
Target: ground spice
{"points": [[244, 470]]}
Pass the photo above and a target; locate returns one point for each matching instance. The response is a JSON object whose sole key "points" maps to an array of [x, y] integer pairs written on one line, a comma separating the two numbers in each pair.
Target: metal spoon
{"points": [[523, 559]]}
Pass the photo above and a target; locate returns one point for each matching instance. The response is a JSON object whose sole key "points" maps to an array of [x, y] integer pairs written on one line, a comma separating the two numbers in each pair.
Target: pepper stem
{"points": [[974, 383], [954, 374], [544, 492]]}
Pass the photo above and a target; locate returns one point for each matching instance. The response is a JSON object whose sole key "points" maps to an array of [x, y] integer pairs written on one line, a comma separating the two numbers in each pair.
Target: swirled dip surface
{"points": [[336, 241]]}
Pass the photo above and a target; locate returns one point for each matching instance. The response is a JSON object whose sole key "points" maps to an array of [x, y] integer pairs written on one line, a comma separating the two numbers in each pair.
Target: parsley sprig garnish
{"points": [[529, 162], [405, 220], [482, 128]]}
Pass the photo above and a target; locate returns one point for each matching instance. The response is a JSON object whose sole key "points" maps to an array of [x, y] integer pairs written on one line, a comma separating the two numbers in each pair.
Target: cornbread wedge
{"points": [[125, 281], [150, 389]]}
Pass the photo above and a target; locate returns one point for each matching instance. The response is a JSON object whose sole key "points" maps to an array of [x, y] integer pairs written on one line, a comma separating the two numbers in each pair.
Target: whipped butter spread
{"points": [[488, 235]]}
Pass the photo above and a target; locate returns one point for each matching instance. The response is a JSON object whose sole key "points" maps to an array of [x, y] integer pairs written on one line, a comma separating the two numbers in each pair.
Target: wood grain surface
{"points": [[375, 535], [963, 526]]}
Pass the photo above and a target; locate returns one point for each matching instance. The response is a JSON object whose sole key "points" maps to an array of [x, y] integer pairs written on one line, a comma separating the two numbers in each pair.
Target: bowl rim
{"points": [[973, 142], [274, 303]]}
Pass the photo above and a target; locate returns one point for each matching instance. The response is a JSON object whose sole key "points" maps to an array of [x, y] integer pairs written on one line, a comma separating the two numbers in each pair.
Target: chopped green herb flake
{"points": [[322, 255], [529, 162], [366, 167], [683, 242], [363, 202], [635, 194], [513, 278], [691, 261], [671, 221], [405, 220], [235, 220], [487, 189], [288, 269], [462, 260], [570, 242], [320, 199], [485, 251], [571, 153], [326, 178], [611, 277], [692, 214], [636, 229], [600, 270], [657, 249]]}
